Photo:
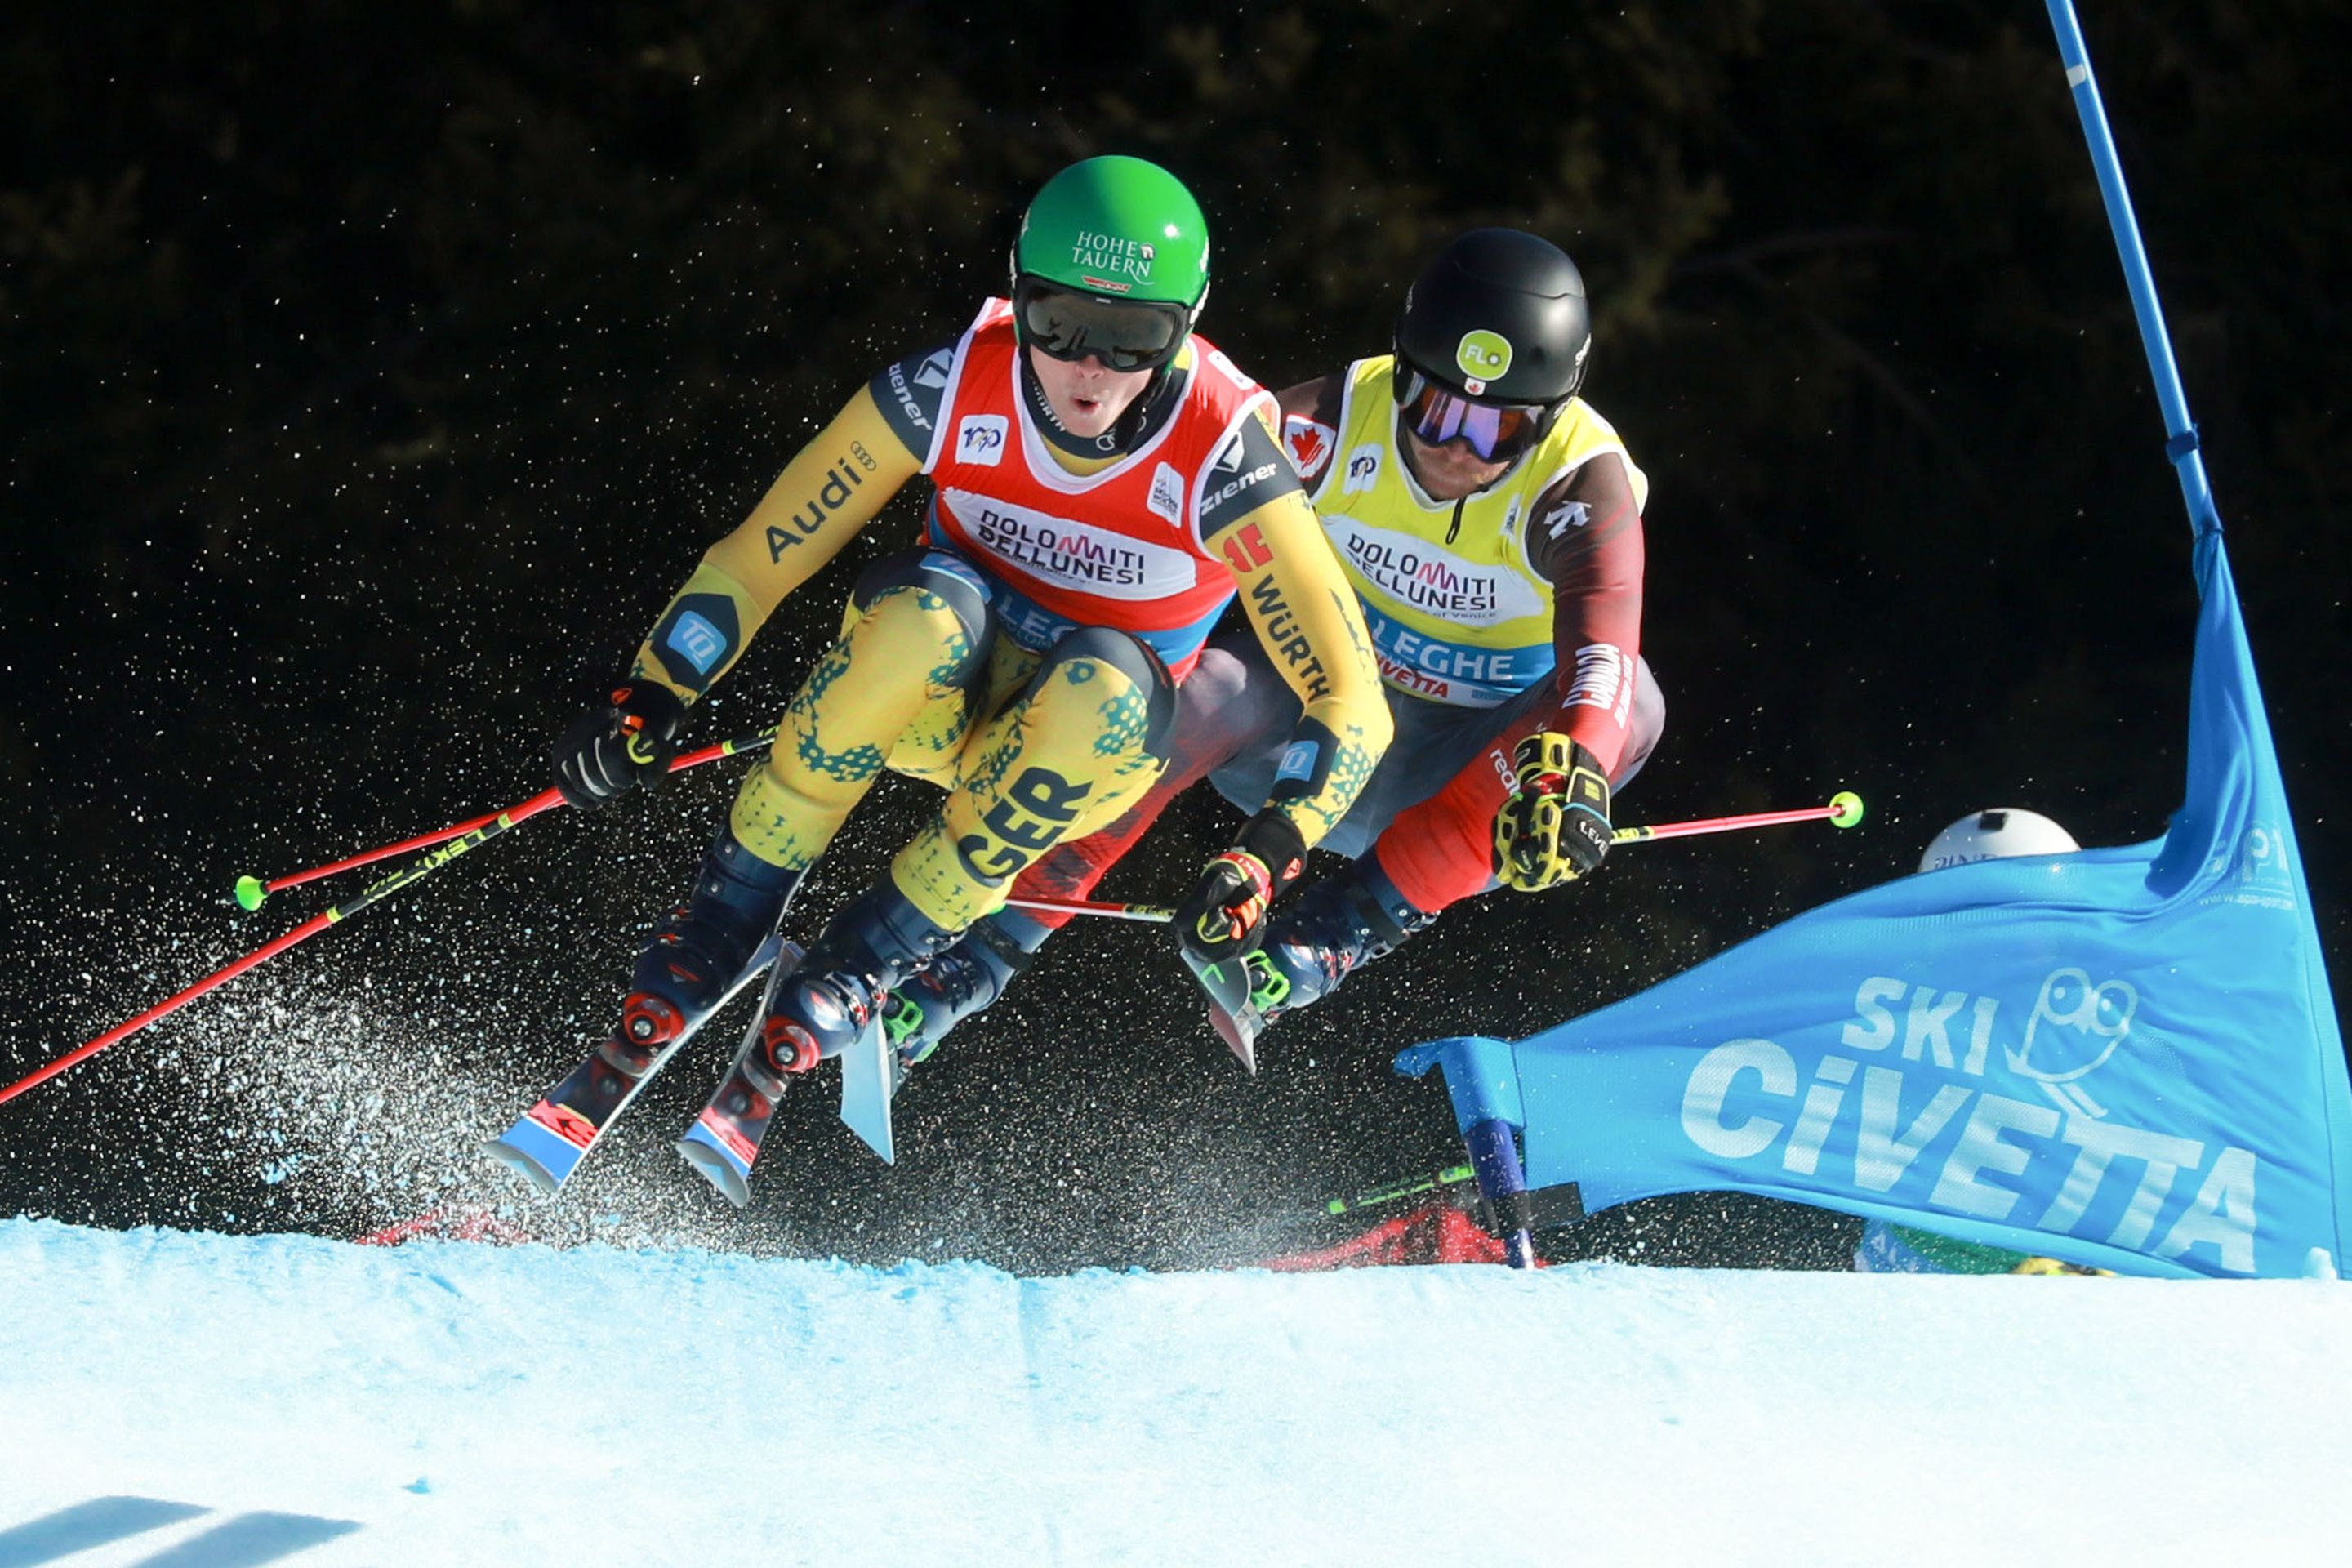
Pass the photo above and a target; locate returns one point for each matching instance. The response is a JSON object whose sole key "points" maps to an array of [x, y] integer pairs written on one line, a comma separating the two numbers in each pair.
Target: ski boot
{"points": [[692, 960], [1335, 927], [961, 981], [688, 967], [825, 1004]]}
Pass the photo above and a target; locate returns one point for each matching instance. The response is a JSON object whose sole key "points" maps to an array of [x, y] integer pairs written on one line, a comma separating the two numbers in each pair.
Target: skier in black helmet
{"points": [[1490, 522]]}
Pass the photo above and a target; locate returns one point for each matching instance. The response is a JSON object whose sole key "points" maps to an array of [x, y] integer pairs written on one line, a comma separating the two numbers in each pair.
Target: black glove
{"points": [[1555, 826], [625, 742], [1225, 914]]}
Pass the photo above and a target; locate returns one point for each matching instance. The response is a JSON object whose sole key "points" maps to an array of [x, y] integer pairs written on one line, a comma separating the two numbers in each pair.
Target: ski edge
{"points": [[534, 1149], [706, 1150], [1230, 1012]]}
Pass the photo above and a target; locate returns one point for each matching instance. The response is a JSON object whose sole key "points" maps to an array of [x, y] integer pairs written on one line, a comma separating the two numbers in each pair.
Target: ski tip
{"points": [[1845, 808], [870, 1075], [521, 1164], [250, 891], [1239, 1038], [1230, 1008], [716, 1170]]}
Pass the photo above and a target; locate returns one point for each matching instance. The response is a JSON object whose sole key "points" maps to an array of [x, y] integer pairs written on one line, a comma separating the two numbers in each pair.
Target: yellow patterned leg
{"points": [[932, 751], [891, 686], [1081, 745]]}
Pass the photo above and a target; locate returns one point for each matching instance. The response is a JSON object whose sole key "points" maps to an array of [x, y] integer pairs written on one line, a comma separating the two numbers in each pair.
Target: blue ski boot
{"points": [[1335, 927], [823, 1007], [845, 981], [961, 981], [692, 959]]}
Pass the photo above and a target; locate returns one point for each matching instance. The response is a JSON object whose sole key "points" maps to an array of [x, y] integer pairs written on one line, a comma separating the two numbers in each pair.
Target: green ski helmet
{"points": [[1113, 232]]}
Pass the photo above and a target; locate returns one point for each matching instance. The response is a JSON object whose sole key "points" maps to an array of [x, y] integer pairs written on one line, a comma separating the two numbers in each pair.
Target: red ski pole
{"points": [[252, 890], [451, 844], [308, 929], [1843, 810]]}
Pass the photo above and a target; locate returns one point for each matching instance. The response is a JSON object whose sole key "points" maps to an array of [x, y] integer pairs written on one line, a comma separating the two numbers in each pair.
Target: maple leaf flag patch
{"points": [[1310, 443]]}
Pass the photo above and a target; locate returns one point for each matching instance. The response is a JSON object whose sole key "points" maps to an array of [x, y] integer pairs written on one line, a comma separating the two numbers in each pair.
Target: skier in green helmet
{"points": [[1489, 520], [1104, 481]]}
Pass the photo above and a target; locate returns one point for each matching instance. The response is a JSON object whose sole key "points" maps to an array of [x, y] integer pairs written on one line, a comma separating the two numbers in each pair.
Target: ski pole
{"points": [[1495, 1161], [308, 929], [252, 890], [1450, 1177], [1155, 914], [1843, 809], [450, 845]]}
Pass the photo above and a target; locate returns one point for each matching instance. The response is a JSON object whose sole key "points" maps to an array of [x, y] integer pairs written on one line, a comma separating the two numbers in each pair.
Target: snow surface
{"points": [[175, 1398]]}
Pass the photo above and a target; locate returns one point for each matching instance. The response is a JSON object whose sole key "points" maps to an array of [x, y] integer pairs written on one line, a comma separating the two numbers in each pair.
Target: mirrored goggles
{"points": [[1498, 432], [1125, 334]]}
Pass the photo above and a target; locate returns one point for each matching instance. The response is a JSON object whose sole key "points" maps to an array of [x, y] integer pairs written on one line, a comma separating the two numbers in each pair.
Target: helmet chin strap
{"points": [[1125, 433]]}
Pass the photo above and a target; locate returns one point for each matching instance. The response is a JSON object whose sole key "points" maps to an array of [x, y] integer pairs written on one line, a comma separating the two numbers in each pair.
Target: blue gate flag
{"points": [[2124, 1057]]}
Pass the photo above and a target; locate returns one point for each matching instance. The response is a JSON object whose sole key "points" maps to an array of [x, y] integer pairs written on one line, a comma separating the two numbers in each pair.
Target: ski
{"points": [[548, 1142], [725, 1139], [1233, 1005], [871, 1073]]}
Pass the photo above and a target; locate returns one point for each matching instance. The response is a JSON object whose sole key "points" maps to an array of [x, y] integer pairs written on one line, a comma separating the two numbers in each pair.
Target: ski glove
{"points": [[1555, 826], [625, 742], [1224, 915]]}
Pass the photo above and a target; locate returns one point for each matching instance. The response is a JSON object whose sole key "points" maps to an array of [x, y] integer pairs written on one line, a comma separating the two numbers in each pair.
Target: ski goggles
{"points": [[1125, 334], [1498, 432]]}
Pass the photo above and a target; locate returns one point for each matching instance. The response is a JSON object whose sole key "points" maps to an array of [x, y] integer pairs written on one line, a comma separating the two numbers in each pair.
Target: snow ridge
{"points": [[312, 1402]]}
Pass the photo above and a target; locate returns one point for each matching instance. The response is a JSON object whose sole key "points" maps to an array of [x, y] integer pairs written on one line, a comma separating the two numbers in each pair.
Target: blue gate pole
{"points": [[1495, 1161], [1482, 1078], [2180, 446]]}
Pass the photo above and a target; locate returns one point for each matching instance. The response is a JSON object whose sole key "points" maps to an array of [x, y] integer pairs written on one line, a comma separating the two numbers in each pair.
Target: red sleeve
{"points": [[1586, 541]]}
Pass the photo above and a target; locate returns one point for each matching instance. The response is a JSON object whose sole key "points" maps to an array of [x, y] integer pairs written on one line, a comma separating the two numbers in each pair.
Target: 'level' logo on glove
{"points": [[1555, 826]]}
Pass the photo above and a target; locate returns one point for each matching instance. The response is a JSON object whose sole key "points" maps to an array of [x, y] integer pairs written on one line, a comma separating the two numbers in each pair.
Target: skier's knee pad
{"points": [[901, 680], [924, 622], [1087, 737], [1131, 711], [950, 601]]}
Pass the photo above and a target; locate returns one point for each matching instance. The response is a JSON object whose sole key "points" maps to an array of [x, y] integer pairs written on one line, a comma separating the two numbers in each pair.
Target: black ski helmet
{"points": [[1500, 317]]}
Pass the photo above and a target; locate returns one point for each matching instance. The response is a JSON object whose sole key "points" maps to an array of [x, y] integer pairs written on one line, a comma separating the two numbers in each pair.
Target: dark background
{"points": [[371, 374]]}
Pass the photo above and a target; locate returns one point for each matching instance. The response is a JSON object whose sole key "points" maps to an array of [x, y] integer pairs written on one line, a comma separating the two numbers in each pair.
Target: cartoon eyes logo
{"points": [[2086, 1023]]}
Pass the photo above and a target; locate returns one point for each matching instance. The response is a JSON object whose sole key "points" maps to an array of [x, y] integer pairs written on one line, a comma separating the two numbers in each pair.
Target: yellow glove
{"points": [[1555, 826]]}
